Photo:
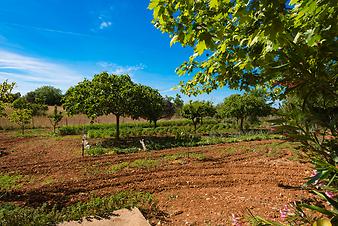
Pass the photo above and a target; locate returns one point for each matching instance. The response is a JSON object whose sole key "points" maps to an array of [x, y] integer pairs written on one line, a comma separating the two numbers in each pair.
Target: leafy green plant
{"points": [[11, 214], [144, 163], [55, 118], [197, 110], [118, 167], [9, 182], [22, 117]]}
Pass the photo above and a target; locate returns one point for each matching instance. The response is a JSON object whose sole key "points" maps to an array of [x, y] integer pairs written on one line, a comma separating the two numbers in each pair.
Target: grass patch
{"points": [[11, 214], [97, 151], [144, 163], [118, 167], [9, 182]]}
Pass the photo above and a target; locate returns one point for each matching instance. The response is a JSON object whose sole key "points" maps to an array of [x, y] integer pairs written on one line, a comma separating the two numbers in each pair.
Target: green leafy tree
{"points": [[177, 102], [114, 95], [197, 110], [243, 107], [80, 99], [282, 46], [48, 95], [105, 94], [149, 104], [55, 118], [22, 117], [37, 109], [5, 95]]}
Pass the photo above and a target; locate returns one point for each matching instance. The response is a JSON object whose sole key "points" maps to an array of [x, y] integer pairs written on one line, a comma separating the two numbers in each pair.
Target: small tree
{"points": [[37, 109], [5, 95], [196, 110], [148, 103], [55, 118], [243, 107], [22, 117]]}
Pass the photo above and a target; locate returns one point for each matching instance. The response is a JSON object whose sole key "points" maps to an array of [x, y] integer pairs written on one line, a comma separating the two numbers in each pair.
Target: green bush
{"points": [[11, 214]]}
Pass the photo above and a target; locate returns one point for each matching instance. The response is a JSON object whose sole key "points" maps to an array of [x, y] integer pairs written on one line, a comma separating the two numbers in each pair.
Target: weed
{"points": [[97, 150], [11, 214], [118, 167], [9, 182]]}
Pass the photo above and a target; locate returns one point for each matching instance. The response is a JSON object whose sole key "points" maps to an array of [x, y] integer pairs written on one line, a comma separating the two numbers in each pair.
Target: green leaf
{"points": [[318, 209], [153, 4], [292, 2], [200, 47], [173, 40], [214, 4]]}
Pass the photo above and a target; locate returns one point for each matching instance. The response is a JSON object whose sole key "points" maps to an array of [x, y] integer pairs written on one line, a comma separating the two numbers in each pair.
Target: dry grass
{"points": [[43, 121]]}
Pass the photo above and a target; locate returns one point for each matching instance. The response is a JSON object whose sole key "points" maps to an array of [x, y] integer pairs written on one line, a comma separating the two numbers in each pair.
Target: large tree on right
{"points": [[288, 48]]}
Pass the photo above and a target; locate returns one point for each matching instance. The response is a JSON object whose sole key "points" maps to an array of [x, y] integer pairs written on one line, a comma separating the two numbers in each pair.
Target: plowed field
{"points": [[193, 186]]}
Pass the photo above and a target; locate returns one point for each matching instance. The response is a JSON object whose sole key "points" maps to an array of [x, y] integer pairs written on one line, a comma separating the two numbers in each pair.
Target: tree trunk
{"points": [[195, 124], [241, 126], [155, 123], [54, 126], [117, 127]]}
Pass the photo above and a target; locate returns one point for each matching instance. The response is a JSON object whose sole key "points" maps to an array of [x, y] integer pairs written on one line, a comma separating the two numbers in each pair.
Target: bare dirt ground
{"points": [[230, 179]]}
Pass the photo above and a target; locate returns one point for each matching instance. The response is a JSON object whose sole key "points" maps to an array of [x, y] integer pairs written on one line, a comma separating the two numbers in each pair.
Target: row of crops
{"points": [[210, 127]]}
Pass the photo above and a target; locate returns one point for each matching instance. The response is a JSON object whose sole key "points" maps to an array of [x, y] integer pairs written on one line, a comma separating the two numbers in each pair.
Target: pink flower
{"points": [[236, 221], [314, 173], [330, 194], [284, 212]]}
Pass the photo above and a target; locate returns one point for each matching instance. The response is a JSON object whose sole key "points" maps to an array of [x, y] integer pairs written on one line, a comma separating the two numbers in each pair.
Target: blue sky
{"points": [[60, 42]]}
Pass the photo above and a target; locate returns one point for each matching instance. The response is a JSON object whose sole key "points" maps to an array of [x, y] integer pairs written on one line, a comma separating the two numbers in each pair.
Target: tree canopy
{"points": [[197, 110], [5, 95], [118, 95], [150, 104], [244, 106], [79, 99], [283, 45], [48, 95]]}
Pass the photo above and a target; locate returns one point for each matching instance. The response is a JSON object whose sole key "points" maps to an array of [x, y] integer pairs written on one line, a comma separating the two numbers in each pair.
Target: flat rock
{"points": [[123, 217]]}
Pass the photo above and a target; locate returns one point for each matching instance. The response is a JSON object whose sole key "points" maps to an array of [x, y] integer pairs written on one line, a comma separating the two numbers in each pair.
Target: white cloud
{"points": [[105, 24], [118, 69], [31, 72]]}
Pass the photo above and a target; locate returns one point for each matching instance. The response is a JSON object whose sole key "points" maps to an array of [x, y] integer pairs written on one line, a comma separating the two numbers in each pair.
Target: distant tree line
{"points": [[118, 95]]}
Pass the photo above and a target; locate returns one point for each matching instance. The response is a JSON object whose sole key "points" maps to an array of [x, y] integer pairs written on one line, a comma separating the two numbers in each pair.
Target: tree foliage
{"points": [[149, 104], [80, 99], [118, 95], [197, 110], [243, 107], [285, 45], [5, 95], [315, 124], [36, 109], [47, 95], [22, 117], [55, 118]]}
